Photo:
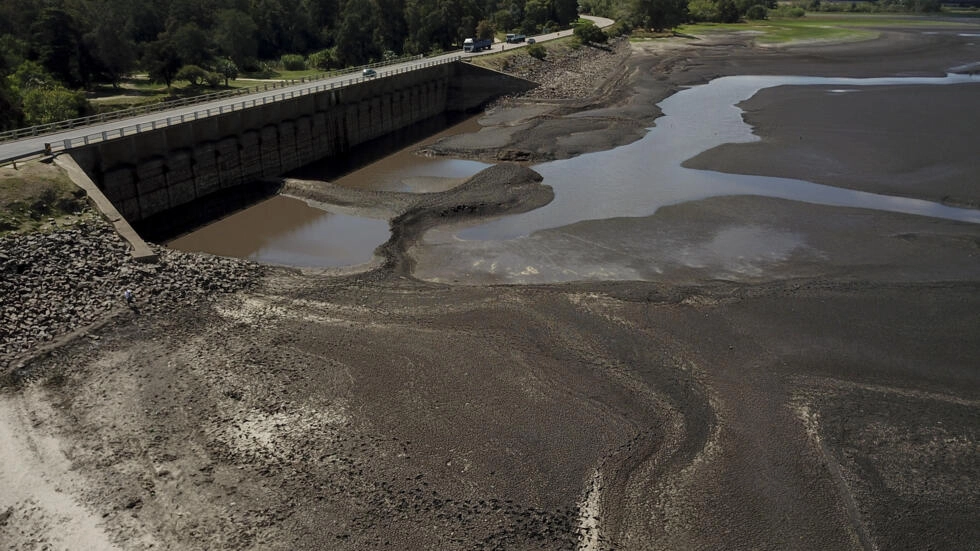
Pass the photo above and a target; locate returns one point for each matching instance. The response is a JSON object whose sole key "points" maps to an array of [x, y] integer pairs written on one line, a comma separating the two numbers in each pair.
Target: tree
{"points": [[536, 12], [756, 12], [59, 47], [161, 60], [355, 43], [727, 11], [589, 33], [227, 69], [192, 45], [660, 15], [235, 36], [565, 11], [192, 74], [504, 20], [47, 105], [537, 51], [485, 30]]}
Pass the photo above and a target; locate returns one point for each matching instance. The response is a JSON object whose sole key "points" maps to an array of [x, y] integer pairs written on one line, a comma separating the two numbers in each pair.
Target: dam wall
{"points": [[152, 173]]}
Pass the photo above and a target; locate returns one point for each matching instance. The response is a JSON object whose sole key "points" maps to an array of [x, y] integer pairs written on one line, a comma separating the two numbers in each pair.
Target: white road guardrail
{"points": [[196, 115]]}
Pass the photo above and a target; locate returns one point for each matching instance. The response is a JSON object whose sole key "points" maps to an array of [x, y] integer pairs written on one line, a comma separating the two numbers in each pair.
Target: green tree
{"points": [[355, 43], [161, 60], [235, 34], [59, 47], [192, 45], [29, 74], [565, 11], [756, 12], [660, 15], [484, 29], [192, 74], [504, 20], [47, 105], [727, 11], [536, 12], [589, 33], [537, 51], [227, 69]]}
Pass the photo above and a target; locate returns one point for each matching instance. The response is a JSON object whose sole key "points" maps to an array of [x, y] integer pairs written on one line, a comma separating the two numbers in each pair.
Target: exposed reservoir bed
{"points": [[636, 180]]}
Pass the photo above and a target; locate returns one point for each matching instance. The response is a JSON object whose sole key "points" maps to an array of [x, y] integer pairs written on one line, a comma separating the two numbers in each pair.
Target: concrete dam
{"points": [[165, 180]]}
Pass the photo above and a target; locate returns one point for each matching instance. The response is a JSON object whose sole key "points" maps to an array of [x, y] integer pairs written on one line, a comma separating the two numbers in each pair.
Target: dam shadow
{"points": [[208, 209]]}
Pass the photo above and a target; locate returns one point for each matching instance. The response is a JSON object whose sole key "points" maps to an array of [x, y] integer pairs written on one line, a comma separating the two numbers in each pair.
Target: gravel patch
{"points": [[55, 282]]}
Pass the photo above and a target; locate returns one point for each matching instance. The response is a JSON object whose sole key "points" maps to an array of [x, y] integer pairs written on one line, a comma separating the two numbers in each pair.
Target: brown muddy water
{"points": [[286, 231], [632, 181]]}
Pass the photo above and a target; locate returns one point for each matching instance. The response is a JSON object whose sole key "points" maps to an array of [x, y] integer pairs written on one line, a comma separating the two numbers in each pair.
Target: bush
{"points": [[192, 74], [620, 28], [797, 12], [54, 104], [213, 79], [292, 62], [537, 51], [589, 33], [227, 69], [323, 60], [756, 12]]}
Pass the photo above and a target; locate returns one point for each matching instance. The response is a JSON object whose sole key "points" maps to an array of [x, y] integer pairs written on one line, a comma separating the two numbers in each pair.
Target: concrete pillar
{"points": [[269, 146], [119, 186], [228, 158], [250, 151], [288, 157], [304, 141], [151, 187], [321, 129], [180, 178], [205, 168]]}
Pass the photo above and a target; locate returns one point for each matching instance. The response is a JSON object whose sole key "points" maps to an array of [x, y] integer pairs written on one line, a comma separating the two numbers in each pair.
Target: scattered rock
{"points": [[59, 281]]}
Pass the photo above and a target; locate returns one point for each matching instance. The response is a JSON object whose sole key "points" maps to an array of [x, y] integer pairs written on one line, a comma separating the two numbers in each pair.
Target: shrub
{"points": [[756, 12], [292, 62], [227, 69], [192, 74], [589, 33], [620, 28], [537, 51], [323, 60], [54, 104], [213, 79], [797, 12]]}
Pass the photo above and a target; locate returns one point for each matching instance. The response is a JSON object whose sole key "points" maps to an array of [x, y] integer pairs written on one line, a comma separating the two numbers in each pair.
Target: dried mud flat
{"points": [[370, 410]]}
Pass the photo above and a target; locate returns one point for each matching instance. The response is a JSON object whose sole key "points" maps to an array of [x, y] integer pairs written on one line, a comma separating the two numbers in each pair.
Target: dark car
{"points": [[530, 41], [369, 73]]}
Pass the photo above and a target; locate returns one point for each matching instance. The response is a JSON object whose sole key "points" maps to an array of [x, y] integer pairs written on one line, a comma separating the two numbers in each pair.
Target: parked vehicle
{"points": [[515, 38], [369, 73], [477, 44], [530, 41]]}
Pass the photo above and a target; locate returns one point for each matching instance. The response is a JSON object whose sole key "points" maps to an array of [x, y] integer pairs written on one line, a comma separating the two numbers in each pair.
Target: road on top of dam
{"points": [[17, 149]]}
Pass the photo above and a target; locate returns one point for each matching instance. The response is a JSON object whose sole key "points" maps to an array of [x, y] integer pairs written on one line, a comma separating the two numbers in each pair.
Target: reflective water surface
{"points": [[288, 232], [627, 182]]}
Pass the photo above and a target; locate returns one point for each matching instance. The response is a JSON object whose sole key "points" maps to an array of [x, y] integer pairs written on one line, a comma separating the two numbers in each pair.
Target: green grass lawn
{"points": [[813, 27]]}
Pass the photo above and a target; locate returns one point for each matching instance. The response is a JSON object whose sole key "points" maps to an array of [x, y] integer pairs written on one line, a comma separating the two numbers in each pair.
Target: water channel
{"points": [[626, 182]]}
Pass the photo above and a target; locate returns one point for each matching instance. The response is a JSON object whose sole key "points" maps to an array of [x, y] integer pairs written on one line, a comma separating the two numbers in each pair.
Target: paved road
{"points": [[34, 145]]}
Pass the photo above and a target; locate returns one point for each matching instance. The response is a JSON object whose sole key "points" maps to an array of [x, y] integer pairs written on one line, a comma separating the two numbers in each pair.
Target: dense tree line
{"points": [[69, 45]]}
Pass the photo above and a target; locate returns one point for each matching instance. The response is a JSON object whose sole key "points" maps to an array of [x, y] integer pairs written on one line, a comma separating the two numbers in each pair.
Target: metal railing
{"points": [[167, 105], [213, 111]]}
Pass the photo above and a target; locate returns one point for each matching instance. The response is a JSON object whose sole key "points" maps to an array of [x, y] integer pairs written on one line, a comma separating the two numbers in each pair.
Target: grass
{"points": [[34, 192], [812, 27]]}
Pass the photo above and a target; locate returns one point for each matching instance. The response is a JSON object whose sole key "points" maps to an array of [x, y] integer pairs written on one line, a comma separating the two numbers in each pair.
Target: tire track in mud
{"points": [[674, 428]]}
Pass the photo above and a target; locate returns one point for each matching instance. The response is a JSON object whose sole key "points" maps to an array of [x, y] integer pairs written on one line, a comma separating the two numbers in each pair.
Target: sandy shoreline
{"points": [[827, 403]]}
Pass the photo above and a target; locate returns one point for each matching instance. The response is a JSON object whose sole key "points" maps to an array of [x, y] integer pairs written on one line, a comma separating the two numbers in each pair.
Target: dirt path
{"points": [[38, 507]]}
